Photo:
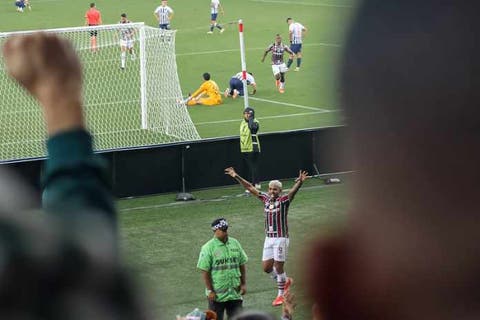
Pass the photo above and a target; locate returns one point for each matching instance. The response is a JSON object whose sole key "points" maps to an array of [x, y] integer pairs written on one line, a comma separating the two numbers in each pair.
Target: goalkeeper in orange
{"points": [[208, 94]]}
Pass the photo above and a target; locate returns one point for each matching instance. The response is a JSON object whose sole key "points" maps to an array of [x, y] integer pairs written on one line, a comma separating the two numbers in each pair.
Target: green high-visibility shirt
{"points": [[248, 142], [223, 261]]}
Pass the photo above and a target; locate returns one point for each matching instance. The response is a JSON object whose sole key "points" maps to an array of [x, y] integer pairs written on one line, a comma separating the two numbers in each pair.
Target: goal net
{"points": [[139, 105]]}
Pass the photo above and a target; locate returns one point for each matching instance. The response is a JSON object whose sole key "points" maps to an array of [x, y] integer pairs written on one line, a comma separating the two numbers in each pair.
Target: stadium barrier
{"points": [[152, 170]]}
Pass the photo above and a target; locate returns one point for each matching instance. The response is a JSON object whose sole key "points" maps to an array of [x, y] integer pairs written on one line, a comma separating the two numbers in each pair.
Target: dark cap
{"points": [[220, 223], [249, 110], [124, 15]]}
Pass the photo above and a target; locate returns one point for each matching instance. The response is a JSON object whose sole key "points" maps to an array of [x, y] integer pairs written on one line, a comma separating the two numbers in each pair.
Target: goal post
{"points": [[139, 105]]}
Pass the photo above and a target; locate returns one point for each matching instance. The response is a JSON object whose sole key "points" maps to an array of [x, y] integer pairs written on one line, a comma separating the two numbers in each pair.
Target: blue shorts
{"points": [[214, 16], [20, 4], [237, 85], [164, 26], [296, 48]]}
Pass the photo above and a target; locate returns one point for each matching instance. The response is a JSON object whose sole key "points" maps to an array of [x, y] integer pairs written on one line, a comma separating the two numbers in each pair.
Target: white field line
{"points": [[319, 4], [293, 105], [317, 44], [266, 118], [223, 198]]}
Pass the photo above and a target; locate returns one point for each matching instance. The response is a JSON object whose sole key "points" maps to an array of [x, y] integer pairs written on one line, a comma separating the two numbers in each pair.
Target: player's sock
{"points": [[274, 274], [289, 63], [281, 279], [123, 55], [218, 26], [299, 62], [282, 77], [211, 27], [93, 43]]}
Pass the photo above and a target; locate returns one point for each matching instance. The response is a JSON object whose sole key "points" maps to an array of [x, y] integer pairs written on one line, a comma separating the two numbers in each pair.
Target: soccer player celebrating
{"points": [[126, 40], [164, 15], [208, 94], [296, 32], [215, 6], [278, 65], [275, 248], [93, 17], [235, 88]]}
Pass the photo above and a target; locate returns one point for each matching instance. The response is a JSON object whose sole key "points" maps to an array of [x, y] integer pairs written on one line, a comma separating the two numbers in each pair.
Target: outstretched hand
{"points": [[231, 172], [302, 176], [49, 69]]}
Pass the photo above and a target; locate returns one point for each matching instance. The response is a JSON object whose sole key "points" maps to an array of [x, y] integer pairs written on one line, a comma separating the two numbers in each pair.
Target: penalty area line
{"points": [[306, 3], [293, 105], [266, 118]]}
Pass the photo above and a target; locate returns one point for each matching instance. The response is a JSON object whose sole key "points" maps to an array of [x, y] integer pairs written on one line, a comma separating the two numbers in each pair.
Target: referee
{"points": [[93, 17]]}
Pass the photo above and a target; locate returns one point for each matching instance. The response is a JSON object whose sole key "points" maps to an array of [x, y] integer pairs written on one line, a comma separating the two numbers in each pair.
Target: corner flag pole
{"points": [[244, 63]]}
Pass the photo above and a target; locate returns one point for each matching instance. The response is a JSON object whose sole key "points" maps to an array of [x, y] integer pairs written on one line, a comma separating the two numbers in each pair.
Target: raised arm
{"points": [[74, 180], [302, 176], [247, 185]]}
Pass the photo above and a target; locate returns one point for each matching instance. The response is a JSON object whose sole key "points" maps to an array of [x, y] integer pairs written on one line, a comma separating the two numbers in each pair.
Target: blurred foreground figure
{"points": [[62, 264], [411, 248]]}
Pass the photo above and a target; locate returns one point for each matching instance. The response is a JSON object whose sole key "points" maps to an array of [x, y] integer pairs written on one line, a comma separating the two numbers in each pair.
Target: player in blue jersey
{"points": [[215, 8], [235, 88], [296, 32]]}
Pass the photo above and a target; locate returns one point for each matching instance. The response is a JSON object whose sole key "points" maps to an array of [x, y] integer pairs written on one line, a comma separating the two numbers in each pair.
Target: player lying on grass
{"points": [[235, 88], [275, 209], [208, 94]]}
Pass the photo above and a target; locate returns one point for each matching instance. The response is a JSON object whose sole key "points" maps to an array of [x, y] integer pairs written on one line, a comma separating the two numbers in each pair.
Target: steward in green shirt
{"points": [[249, 143], [222, 261]]}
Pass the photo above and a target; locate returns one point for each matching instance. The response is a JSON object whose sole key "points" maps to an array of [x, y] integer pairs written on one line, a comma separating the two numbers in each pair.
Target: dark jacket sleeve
{"points": [[253, 125], [74, 179]]}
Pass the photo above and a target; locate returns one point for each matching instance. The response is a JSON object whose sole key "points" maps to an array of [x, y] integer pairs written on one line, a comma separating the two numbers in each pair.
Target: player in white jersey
{"points": [[296, 32], [164, 15], [126, 40], [215, 8], [235, 88]]}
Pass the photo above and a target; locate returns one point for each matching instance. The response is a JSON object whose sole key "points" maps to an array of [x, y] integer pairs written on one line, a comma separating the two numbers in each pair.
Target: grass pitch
{"points": [[310, 100]]}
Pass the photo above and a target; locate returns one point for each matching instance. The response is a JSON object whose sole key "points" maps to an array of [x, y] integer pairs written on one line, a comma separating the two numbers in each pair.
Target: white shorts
{"points": [[275, 248], [126, 44], [277, 68]]}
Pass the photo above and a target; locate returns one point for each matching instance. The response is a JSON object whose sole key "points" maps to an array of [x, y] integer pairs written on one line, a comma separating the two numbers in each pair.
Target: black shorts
{"points": [[93, 33]]}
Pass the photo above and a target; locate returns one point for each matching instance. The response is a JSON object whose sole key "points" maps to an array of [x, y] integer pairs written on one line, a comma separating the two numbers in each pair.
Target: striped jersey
{"points": [[250, 78], [278, 49], [275, 212], [163, 13], [214, 6], [126, 33], [296, 31]]}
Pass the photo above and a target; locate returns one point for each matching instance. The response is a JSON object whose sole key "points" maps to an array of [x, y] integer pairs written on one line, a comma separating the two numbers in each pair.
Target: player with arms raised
{"points": [[278, 65], [126, 40], [275, 208]]}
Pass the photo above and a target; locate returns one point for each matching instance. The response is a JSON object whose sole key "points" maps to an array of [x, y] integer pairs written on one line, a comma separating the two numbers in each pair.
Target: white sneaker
{"points": [[258, 186], [221, 30], [297, 69], [210, 32], [227, 92]]}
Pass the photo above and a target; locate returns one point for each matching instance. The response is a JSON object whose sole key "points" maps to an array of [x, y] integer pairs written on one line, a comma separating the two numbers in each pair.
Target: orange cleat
{"points": [[278, 301], [281, 90], [288, 284]]}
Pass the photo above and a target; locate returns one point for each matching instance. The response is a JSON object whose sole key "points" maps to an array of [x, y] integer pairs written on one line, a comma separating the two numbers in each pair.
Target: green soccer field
{"points": [[162, 239], [310, 100]]}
